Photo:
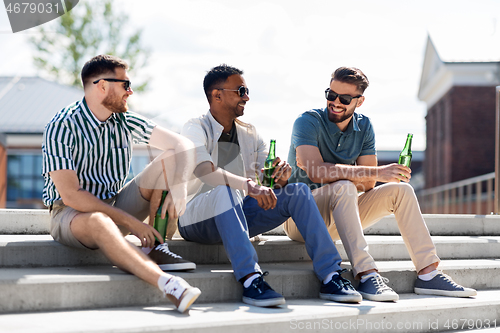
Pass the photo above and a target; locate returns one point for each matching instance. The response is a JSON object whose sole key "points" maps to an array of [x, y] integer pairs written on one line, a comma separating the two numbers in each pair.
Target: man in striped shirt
{"points": [[86, 149]]}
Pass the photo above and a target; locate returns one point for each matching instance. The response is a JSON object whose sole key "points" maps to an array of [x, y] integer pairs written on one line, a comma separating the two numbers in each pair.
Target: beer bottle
{"points": [[268, 166], [161, 224], [405, 155]]}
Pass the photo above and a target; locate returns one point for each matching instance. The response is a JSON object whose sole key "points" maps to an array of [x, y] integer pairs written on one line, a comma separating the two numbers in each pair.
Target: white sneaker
{"points": [[180, 293]]}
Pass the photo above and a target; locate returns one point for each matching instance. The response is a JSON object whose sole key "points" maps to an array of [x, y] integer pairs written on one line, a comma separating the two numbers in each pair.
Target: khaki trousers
{"points": [[346, 214], [128, 199]]}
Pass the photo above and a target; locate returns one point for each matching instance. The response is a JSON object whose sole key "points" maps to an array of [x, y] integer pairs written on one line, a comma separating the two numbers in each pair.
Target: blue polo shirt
{"points": [[315, 129]]}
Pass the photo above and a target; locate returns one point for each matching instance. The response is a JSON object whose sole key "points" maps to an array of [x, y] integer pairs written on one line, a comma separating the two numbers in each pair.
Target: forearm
{"points": [[171, 171], [185, 157], [327, 173], [365, 186], [175, 166], [363, 177], [176, 169]]}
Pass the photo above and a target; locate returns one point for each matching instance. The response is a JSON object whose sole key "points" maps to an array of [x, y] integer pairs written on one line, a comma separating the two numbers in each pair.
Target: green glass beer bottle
{"points": [[405, 155], [268, 166], [161, 224]]}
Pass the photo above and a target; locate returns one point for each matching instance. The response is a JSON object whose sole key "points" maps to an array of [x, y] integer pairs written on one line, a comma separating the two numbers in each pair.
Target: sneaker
{"points": [[259, 293], [339, 290], [180, 293], [169, 261], [376, 289], [442, 285]]}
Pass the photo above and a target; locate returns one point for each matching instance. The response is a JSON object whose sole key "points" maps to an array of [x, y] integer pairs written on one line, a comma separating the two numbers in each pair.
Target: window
{"points": [[24, 182]]}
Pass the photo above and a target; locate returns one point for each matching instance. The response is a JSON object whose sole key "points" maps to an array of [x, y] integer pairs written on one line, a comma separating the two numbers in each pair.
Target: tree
{"points": [[88, 30]]}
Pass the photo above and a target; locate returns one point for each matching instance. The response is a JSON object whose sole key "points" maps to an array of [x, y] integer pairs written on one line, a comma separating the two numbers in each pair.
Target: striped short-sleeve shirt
{"points": [[99, 152]]}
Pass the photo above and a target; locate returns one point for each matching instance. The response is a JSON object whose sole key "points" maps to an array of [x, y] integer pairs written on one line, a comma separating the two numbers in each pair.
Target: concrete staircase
{"points": [[47, 287]]}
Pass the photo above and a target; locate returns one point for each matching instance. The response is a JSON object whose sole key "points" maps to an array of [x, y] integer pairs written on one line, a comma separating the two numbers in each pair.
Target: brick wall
{"points": [[3, 175], [460, 135]]}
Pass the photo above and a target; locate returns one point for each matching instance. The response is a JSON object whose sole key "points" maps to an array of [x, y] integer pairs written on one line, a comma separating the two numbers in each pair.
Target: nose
{"points": [[336, 102], [130, 91]]}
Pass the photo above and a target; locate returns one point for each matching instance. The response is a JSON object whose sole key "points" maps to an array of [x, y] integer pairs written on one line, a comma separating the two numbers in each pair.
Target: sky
{"points": [[288, 50]]}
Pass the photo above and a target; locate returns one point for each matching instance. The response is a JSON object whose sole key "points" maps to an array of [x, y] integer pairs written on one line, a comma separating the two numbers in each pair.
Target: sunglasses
{"points": [[344, 99], [241, 90], [126, 83]]}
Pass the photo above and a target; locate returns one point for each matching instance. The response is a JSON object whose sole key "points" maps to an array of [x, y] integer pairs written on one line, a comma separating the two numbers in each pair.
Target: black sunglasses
{"points": [[344, 99], [241, 90], [126, 83]]}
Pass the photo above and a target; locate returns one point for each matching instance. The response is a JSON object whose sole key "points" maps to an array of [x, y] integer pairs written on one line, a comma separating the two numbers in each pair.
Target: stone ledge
{"points": [[37, 221], [43, 251], [24, 221]]}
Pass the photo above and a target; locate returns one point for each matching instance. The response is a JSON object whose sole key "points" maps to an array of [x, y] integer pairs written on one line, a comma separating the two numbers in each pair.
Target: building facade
{"points": [[461, 98], [3, 171]]}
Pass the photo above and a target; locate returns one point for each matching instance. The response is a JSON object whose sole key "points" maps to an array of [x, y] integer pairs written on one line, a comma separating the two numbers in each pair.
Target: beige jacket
{"points": [[205, 132]]}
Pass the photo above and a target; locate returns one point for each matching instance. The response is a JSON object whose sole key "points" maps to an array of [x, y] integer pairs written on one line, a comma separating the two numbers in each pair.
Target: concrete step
{"points": [[438, 225], [24, 221], [445, 225], [37, 221], [42, 250], [412, 313], [63, 288]]}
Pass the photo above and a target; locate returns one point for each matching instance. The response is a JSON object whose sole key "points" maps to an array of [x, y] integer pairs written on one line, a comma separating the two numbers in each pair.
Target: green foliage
{"points": [[91, 28]]}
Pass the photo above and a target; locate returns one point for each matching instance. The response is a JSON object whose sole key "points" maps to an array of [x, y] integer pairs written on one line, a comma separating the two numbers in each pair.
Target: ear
{"points": [[101, 86], [216, 95], [360, 101]]}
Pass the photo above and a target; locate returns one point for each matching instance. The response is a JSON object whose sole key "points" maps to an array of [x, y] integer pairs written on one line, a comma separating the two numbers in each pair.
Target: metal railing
{"points": [[470, 196]]}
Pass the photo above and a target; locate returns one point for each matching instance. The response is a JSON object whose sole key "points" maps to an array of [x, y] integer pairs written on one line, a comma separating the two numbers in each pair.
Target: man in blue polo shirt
{"points": [[333, 151]]}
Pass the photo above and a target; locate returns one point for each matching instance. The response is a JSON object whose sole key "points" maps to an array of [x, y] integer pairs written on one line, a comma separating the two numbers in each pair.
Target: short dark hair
{"points": [[351, 75], [217, 76], [101, 64]]}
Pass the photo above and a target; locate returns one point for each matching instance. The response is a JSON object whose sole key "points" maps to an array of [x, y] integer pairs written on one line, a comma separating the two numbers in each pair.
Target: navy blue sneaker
{"points": [[259, 293], [442, 285], [339, 290]]}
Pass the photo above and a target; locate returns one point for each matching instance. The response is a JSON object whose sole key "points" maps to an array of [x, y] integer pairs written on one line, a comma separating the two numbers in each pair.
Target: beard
{"points": [[236, 110], [338, 118], [114, 104]]}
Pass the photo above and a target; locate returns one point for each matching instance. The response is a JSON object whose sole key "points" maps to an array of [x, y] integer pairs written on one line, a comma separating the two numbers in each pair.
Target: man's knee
{"points": [[300, 189], [399, 188], [92, 229], [223, 198], [223, 193], [100, 223], [406, 187], [223, 190]]}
